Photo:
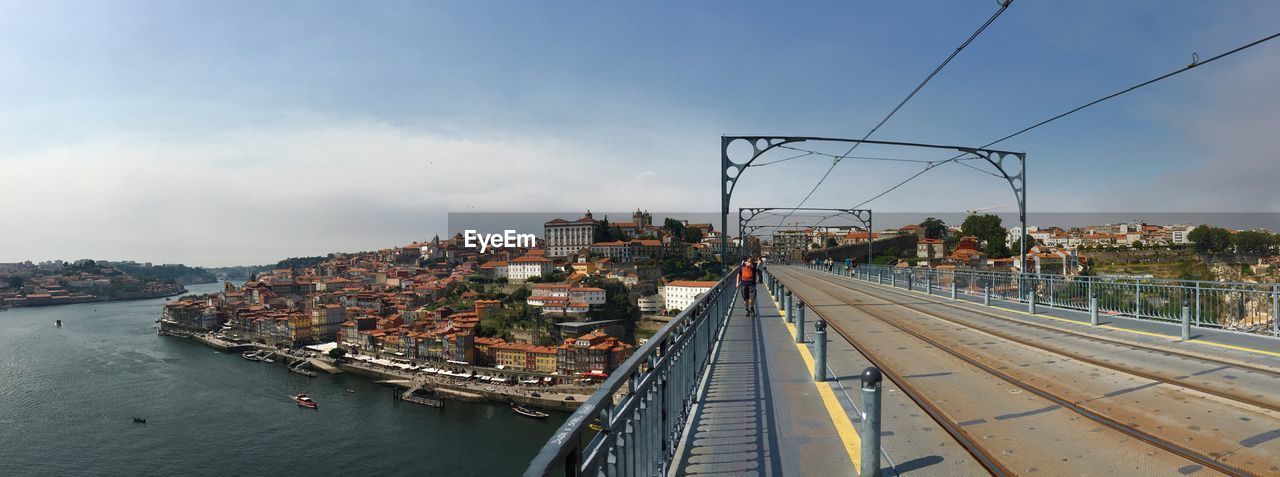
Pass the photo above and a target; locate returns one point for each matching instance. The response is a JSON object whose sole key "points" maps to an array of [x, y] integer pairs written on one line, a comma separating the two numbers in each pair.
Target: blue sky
{"points": [[242, 132]]}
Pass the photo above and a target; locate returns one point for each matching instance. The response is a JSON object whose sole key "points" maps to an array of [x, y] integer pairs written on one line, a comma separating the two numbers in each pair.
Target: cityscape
{"points": [[481, 239]]}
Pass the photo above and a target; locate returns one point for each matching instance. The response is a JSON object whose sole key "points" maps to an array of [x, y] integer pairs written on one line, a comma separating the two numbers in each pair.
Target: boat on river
{"points": [[305, 401], [250, 355], [524, 411]]}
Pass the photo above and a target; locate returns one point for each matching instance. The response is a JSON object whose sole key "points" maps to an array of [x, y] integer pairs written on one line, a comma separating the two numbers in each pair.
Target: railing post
{"points": [[789, 316], [910, 276], [1093, 310], [1186, 322], [1275, 310], [800, 322], [1137, 299], [893, 279], [986, 295], [1031, 300], [1197, 311], [953, 287], [871, 422], [820, 349], [928, 283]]}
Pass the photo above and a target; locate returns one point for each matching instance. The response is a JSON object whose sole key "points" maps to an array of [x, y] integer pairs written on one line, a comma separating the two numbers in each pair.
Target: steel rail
{"points": [[1099, 418], [984, 456], [1084, 357]]}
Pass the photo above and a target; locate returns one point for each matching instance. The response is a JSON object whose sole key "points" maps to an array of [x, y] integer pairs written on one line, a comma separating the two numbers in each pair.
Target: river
{"points": [[68, 397]]}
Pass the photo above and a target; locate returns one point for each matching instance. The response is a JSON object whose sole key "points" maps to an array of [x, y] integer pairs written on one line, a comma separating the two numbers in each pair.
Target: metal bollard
{"points": [[928, 285], [1186, 322], [820, 349], [953, 289], [1031, 302], [800, 322], [871, 422], [1093, 310], [909, 287], [788, 315], [893, 280], [986, 295]]}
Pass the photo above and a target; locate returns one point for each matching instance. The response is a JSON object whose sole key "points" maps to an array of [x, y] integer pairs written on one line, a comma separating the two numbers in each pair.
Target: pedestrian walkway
{"points": [[759, 412]]}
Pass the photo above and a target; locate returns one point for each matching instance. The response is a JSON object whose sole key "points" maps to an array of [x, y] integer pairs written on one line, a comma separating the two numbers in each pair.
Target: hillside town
{"points": [[58, 282], [982, 242], [565, 310]]}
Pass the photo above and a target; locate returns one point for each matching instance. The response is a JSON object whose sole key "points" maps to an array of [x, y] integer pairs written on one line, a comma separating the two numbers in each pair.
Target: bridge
{"points": [[983, 374]]}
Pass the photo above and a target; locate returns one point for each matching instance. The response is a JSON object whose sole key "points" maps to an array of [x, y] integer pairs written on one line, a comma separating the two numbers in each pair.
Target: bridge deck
{"points": [[762, 414], [1044, 393]]}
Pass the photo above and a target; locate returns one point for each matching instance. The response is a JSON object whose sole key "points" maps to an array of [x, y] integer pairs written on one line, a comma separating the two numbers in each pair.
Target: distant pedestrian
{"points": [[747, 283]]}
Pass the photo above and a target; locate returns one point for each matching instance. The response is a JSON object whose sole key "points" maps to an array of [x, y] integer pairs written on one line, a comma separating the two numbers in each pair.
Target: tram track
{"points": [[986, 456], [1238, 397]]}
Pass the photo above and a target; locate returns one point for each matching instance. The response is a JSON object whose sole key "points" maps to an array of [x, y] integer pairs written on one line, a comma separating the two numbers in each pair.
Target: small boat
{"points": [[351, 390], [59, 323], [305, 401], [524, 411], [140, 420], [250, 355]]}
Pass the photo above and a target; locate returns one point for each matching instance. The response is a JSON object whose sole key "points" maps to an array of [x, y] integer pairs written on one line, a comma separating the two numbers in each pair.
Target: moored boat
{"points": [[524, 411], [250, 355]]}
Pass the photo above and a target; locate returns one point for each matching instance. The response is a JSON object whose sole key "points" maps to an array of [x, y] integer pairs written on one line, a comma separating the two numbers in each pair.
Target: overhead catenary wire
{"points": [[1194, 64], [1004, 5]]}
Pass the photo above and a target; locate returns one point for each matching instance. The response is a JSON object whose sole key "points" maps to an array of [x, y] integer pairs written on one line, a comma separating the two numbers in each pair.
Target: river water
{"points": [[68, 396]]}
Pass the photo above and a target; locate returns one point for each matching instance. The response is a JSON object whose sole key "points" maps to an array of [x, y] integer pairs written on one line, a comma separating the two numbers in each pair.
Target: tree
{"points": [[1016, 247], [934, 228], [520, 294], [988, 230], [1210, 239], [1253, 242], [15, 281], [675, 227], [692, 235], [337, 353], [831, 242]]}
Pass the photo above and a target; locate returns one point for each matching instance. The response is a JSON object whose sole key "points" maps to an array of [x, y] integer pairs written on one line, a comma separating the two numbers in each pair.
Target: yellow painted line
{"points": [[1109, 327], [844, 425]]}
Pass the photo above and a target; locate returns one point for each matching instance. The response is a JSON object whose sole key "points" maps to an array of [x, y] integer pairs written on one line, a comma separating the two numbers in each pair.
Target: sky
{"points": [[237, 132]]}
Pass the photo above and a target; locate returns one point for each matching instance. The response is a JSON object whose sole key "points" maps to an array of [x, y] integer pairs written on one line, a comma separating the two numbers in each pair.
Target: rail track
{"points": [[975, 446], [1264, 402]]}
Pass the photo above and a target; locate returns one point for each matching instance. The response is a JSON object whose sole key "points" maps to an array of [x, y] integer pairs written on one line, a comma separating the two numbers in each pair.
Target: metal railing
{"points": [[1235, 306], [643, 407]]}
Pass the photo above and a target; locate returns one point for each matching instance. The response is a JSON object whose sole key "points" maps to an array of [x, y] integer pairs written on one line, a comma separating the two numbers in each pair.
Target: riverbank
{"points": [[563, 398], [78, 300]]}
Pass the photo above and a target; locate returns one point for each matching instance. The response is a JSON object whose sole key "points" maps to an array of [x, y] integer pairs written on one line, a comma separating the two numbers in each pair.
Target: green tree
{"points": [[337, 353], [520, 294], [1253, 242], [989, 231], [675, 227], [831, 242], [934, 228], [1209, 239], [692, 235]]}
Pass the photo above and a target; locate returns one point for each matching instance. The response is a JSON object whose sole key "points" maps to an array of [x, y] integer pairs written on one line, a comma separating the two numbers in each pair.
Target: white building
{"points": [[564, 238], [588, 295], [527, 267], [1178, 233], [679, 294]]}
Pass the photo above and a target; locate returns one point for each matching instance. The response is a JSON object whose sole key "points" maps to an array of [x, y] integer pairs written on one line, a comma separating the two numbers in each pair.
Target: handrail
{"points": [[1252, 308], [650, 377]]}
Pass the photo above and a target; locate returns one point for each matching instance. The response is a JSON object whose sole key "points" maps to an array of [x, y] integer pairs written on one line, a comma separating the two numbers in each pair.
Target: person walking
{"points": [[747, 283]]}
